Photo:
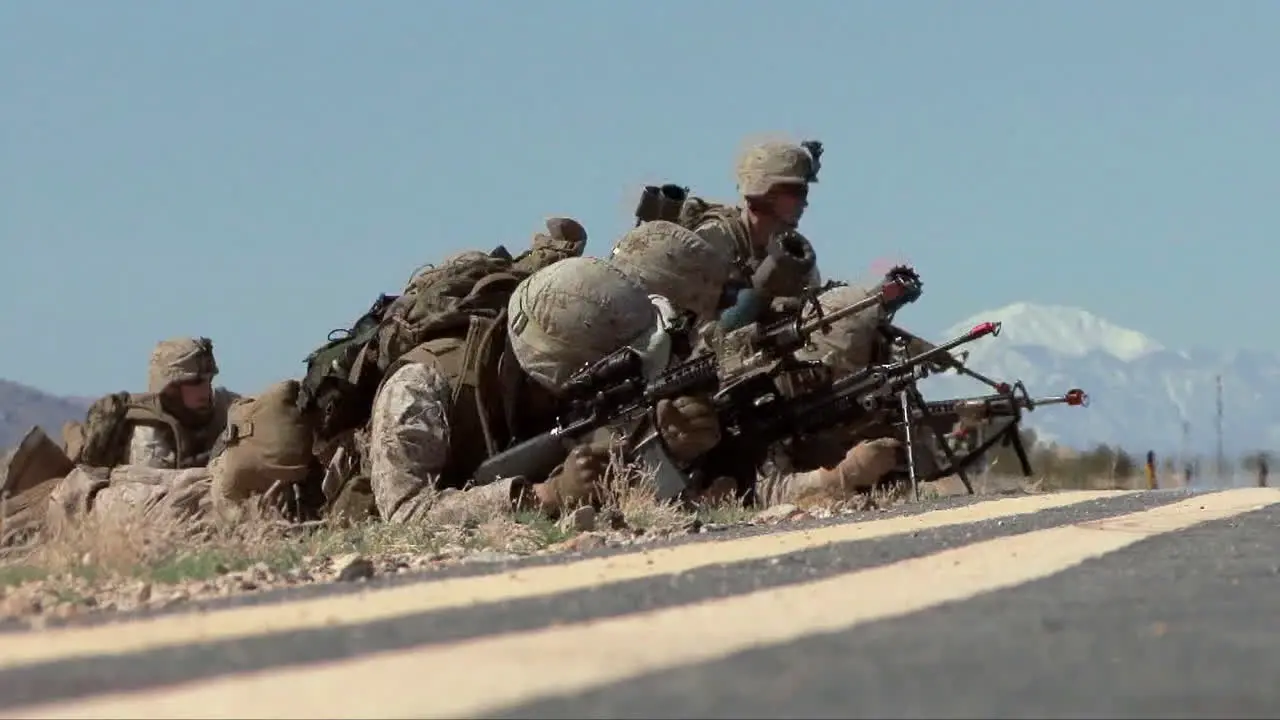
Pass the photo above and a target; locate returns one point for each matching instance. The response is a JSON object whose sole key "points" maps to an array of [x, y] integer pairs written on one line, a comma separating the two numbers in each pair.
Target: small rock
{"points": [[450, 551], [693, 526], [492, 556], [778, 513], [18, 606], [581, 520], [353, 567], [583, 542], [611, 518], [142, 593]]}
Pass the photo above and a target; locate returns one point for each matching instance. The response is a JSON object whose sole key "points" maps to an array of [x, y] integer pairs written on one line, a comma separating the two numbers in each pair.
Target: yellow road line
{"points": [[373, 605], [476, 678]]}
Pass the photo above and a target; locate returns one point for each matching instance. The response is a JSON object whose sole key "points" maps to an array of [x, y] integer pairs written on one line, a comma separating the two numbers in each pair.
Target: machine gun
{"points": [[941, 417], [1007, 404], [754, 415], [615, 390]]}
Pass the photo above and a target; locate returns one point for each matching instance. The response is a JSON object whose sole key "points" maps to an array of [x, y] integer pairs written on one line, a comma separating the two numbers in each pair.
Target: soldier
{"points": [[773, 179], [447, 405], [691, 272], [118, 457], [173, 425]]}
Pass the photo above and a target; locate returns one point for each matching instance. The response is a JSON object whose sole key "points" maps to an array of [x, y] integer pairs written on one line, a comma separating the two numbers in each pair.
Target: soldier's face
{"points": [[196, 394], [789, 202]]}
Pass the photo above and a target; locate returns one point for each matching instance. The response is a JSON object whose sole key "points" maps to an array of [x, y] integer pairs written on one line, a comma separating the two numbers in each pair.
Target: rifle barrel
{"points": [[828, 319]]}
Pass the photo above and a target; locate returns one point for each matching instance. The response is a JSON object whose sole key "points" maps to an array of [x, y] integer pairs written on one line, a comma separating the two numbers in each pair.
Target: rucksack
{"points": [[267, 440], [673, 203], [344, 374]]}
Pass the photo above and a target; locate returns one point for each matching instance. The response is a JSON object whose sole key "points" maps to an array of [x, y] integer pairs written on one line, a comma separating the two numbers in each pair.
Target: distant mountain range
{"points": [[22, 406], [1141, 392]]}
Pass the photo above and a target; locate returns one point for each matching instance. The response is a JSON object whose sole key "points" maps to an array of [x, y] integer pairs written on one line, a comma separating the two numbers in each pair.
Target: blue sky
{"points": [[258, 171]]}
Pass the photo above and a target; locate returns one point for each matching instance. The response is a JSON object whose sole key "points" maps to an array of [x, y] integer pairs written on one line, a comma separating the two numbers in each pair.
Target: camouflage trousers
{"points": [[124, 495]]}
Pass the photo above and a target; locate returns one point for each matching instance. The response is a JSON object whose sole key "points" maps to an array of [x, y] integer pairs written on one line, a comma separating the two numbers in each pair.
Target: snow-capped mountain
{"points": [[1140, 391]]}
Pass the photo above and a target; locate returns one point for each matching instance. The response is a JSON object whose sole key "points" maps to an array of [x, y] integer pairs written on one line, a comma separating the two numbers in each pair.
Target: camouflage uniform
{"points": [[129, 494], [759, 169], [558, 320]]}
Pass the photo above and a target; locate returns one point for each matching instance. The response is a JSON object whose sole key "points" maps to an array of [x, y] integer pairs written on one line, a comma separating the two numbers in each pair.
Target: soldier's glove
{"points": [[867, 462], [689, 426], [575, 482]]}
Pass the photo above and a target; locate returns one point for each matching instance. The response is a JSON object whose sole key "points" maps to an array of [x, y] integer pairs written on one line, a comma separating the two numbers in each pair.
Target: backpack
{"points": [[344, 374], [267, 440], [673, 203]]}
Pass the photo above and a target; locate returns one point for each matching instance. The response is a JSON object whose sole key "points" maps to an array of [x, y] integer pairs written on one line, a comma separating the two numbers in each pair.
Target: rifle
{"points": [[615, 390]]}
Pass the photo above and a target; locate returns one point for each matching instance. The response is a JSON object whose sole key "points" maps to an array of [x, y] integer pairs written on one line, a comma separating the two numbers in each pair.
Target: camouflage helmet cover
{"points": [[676, 263], [575, 312], [765, 165], [179, 360]]}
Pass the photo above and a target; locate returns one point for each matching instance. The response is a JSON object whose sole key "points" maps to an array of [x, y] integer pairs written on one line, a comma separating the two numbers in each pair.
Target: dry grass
{"points": [[107, 562], [112, 563]]}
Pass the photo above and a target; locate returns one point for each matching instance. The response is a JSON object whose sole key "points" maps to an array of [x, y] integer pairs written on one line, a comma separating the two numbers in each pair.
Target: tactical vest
{"points": [[110, 421], [484, 412]]}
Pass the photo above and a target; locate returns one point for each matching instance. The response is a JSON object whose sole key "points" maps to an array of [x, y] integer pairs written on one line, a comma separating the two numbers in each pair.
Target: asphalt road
{"points": [[1070, 605]]}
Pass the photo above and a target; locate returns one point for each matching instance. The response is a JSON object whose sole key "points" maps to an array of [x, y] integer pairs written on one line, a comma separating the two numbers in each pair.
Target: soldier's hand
{"points": [[689, 426], [867, 462], [576, 482]]}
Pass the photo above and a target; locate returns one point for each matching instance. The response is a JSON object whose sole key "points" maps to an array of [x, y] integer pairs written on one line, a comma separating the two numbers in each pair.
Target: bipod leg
{"points": [[907, 428], [1015, 439], [950, 454]]}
